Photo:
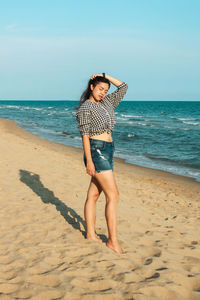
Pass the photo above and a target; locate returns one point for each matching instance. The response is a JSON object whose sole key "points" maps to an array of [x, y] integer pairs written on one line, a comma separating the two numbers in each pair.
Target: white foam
{"points": [[123, 119], [192, 123], [131, 135], [186, 119], [11, 106], [131, 116]]}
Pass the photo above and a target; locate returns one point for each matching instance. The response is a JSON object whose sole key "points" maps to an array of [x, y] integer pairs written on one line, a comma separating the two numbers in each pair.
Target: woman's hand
{"points": [[95, 75], [90, 169], [113, 80]]}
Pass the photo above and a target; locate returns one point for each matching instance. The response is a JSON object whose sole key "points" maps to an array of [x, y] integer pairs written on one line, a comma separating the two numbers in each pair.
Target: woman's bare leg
{"points": [[107, 182], [93, 193]]}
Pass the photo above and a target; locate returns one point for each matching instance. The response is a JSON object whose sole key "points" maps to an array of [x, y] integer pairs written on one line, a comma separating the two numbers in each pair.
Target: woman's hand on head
{"points": [[95, 75], [90, 169]]}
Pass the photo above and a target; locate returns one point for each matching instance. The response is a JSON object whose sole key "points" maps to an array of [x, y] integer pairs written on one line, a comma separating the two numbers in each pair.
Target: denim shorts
{"points": [[102, 155]]}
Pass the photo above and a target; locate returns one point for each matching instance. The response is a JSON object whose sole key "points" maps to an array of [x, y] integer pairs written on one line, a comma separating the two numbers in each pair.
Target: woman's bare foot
{"points": [[93, 238], [115, 246]]}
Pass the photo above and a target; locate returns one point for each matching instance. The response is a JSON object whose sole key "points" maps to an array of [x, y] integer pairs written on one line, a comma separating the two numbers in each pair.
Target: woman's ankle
{"points": [[90, 235], [93, 237], [113, 239], [114, 245]]}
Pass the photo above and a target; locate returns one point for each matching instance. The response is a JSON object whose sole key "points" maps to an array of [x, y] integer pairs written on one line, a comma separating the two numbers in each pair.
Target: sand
{"points": [[43, 251]]}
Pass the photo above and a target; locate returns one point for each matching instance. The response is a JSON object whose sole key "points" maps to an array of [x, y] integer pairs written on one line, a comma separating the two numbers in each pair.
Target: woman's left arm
{"points": [[115, 97]]}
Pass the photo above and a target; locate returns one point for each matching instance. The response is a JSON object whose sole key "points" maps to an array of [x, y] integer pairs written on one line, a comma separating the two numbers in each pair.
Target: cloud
{"points": [[14, 28], [11, 27]]}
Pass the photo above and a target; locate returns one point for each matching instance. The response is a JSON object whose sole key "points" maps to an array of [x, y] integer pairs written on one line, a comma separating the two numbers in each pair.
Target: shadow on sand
{"points": [[47, 196]]}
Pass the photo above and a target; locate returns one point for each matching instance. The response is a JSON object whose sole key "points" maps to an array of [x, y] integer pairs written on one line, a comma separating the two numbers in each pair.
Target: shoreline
{"points": [[162, 151], [12, 127]]}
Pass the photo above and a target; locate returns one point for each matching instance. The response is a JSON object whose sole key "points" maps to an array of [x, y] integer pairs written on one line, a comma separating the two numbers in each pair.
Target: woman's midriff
{"points": [[105, 136]]}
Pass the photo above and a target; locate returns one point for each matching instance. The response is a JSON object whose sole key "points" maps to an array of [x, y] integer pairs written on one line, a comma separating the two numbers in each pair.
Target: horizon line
{"points": [[79, 100]]}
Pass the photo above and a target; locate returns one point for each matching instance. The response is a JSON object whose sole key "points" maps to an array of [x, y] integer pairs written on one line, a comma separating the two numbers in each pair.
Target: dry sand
{"points": [[43, 252]]}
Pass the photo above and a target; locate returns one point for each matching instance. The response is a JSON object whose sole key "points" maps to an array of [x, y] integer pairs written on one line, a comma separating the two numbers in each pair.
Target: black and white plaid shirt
{"points": [[94, 119]]}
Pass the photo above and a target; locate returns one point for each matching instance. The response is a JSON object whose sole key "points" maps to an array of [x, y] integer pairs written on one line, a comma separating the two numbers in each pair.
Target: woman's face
{"points": [[99, 91]]}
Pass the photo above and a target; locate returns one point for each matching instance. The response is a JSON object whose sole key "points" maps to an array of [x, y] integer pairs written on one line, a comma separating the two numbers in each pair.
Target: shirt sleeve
{"points": [[115, 97], [83, 118]]}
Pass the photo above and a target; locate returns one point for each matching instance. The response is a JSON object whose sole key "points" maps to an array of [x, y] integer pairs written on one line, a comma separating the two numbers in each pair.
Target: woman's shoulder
{"points": [[85, 107], [87, 104]]}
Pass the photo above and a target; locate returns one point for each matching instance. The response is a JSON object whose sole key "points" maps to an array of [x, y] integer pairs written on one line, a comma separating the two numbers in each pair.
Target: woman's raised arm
{"points": [[113, 80], [115, 97]]}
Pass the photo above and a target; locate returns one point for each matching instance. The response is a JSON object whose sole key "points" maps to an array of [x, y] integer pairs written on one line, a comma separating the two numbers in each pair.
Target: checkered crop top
{"points": [[94, 119]]}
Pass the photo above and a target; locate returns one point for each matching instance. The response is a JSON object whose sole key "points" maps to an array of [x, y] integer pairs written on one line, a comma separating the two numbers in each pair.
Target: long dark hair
{"points": [[86, 94]]}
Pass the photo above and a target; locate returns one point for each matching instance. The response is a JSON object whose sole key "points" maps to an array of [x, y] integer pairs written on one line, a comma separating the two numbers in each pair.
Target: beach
{"points": [[43, 250]]}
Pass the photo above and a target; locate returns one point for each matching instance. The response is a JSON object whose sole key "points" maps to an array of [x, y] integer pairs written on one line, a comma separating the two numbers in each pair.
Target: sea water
{"points": [[162, 135]]}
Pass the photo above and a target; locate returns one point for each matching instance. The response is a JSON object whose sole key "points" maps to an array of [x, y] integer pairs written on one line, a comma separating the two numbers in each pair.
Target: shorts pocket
{"points": [[97, 146]]}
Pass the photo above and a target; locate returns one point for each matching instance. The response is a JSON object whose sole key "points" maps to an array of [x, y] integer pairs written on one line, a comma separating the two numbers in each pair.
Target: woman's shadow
{"points": [[33, 181]]}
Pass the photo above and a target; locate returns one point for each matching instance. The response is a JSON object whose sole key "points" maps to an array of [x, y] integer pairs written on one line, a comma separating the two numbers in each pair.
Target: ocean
{"points": [[162, 135]]}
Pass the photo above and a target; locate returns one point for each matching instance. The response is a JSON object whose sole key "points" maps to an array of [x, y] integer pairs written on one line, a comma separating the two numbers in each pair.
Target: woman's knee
{"points": [[93, 196], [112, 196]]}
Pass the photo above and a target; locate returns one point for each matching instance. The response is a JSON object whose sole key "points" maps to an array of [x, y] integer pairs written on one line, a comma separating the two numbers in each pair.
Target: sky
{"points": [[49, 49]]}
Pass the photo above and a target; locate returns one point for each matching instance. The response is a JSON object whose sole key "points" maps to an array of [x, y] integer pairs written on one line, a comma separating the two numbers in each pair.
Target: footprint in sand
{"points": [[191, 264], [105, 264], [44, 280], [24, 294], [147, 261], [94, 284], [49, 295], [7, 275], [149, 274], [190, 283], [5, 297], [132, 277], [149, 251], [105, 296], [6, 268], [194, 243], [54, 261], [158, 292], [17, 265], [8, 288], [192, 259], [6, 260], [41, 268], [4, 250]]}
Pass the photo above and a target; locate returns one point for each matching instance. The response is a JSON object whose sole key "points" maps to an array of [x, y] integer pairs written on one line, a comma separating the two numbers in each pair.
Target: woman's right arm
{"points": [[84, 118], [90, 169]]}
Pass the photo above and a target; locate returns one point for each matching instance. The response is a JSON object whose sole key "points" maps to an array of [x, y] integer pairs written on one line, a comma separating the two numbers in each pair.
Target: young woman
{"points": [[96, 119]]}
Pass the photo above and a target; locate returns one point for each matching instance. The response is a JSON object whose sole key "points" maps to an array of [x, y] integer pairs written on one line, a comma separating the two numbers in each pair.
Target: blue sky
{"points": [[49, 49]]}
